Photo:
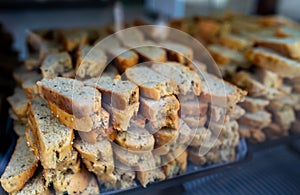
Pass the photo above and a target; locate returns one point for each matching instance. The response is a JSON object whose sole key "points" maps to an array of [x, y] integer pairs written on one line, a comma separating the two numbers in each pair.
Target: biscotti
{"points": [[54, 140], [20, 168], [156, 86], [19, 102]]}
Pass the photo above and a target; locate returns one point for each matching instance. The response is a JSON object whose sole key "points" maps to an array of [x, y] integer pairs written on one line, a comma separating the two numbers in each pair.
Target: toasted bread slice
{"points": [[54, 140], [187, 81], [56, 64], [270, 60], [20, 168], [152, 85], [178, 52], [98, 157]]}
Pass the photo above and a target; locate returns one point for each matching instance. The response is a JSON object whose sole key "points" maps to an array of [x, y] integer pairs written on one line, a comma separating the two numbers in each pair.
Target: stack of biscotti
{"points": [[118, 125], [259, 55]]}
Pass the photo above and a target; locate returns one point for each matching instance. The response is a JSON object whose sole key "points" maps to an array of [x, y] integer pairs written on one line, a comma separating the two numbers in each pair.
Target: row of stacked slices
{"points": [[90, 130], [260, 55]]}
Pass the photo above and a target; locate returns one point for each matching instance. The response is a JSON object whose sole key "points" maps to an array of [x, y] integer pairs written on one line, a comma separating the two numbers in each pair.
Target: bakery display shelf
{"points": [[287, 140], [193, 171]]}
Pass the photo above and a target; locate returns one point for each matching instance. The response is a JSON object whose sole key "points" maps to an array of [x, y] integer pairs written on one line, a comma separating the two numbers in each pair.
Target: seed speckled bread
{"points": [[56, 64], [20, 168], [31, 142], [270, 60], [152, 85], [79, 105], [160, 113], [174, 165], [35, 186], [194, 121], [135, 139], [98, 157], [29, 85], [19, 129], [98, 135], [258, 119], [91, 61], [193, 108], [19, 102], [73, 38], [187, 81], [117, 93], [54, 140], [235, 42], [178, 52], [254, 104], [219, 92], [92, 187]]}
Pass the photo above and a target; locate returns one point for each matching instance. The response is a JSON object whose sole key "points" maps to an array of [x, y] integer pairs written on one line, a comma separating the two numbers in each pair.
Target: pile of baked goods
{"points": [[83, 125], [261, 56]]}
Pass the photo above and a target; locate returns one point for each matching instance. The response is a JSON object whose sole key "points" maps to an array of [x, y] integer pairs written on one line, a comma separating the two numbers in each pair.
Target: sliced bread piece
{"points": [[194, 121], [254, 104], [257, 120], [91, 61], [152, 85], [235, 42], [224, 56], [187, 81], [19, 102], [31, 142], [161, 113], [268, 78], [136, 139], [288, 47], [117, 93], [98, 135], [98, 157], [12, 115], [29, 85], [201, 136], [56, 64], [92, 188], [178, 52], [237, 113], [174, 164], [287, 31], [35, 186], [270, 60], [54, 140], [20, 168], [73, 38], [120, 119], [219, 92], [193, 108]]}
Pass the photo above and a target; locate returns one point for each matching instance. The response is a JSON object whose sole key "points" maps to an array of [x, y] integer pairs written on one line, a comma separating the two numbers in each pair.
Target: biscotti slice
{"points": [[193, 108], [91, 61], [12, 115], [149, 51], [54, 140], [117, 93], [35, 186], [98, 135], [123, 58], [284, 117], [135, 139], [92, 188], [56, 64], [31, 142], [174, 164], [217, 114], [130, 36], [19, 129], [194, 121], [237, 113], [201, 136], [19, 102], [257, 120], [224, 56], [98, 157], [29, 85], [120, 119], [32, 62], [235, 42], [268, 78], [178, 52], [72, 98], [69, 182], [20, 168], [152, 85], [73, 38], [287, 31], [122, 177], [270, 60], [250, 83], [219, 92], [288, 47], [187, 81], [254, 104], [131, 158], [274, 131]]}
